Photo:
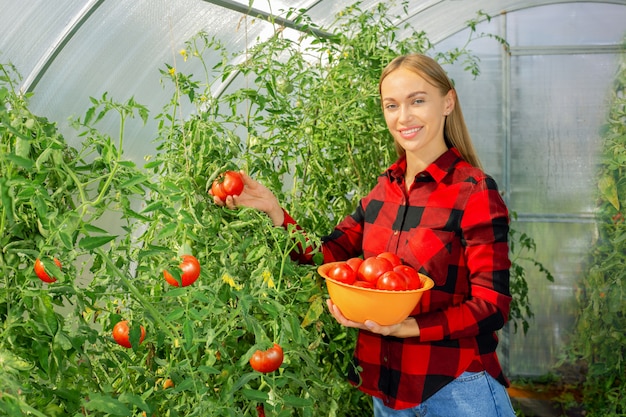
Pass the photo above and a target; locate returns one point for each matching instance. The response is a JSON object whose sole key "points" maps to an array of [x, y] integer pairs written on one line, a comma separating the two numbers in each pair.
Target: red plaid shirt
{"points": [[452, 226]]}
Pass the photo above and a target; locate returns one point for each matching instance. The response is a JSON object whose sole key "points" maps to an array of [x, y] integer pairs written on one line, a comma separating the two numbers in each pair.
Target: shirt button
{"points": [[395, 233]]}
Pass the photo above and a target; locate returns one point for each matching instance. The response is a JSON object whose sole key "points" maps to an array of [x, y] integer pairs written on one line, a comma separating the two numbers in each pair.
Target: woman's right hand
{"points": [[254, 195]]}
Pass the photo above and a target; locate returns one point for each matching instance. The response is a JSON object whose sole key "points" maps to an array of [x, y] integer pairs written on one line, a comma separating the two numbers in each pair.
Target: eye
{"points": [[418, 101], [390, 106]]}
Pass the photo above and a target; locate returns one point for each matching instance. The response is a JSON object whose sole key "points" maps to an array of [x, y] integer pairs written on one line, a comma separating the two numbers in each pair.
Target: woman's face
{"points": [[415, 113]]}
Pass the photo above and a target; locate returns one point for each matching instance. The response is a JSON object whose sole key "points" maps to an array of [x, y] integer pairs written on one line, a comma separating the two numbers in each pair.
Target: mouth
{"points": [[409, 133]]}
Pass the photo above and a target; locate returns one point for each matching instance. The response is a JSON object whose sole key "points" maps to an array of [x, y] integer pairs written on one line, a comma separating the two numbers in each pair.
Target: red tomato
{"points": [[355, 263], [342, 272], [392, 281], [41, 273], [364, 284], [218, 190], [121, 334], [190, 272], [229, 183], [391, 257], [267, 360], [410, 275], [372, 268]]}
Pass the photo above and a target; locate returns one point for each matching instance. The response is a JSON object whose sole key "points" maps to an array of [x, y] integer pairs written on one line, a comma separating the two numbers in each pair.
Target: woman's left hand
{"points": [[369, 325]]}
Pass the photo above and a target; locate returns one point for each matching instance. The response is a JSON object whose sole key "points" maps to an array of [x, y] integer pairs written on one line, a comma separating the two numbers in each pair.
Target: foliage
{"points": [[307, 124], [522, 248], [600, 333]]}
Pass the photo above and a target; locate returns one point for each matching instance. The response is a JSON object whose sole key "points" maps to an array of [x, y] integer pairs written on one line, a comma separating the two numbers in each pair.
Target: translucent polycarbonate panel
{"points": [[558, 104], [325, 11], [29, 29], [121, 49], [481, 97], [561, 247], [568, 24], [279, 7]]}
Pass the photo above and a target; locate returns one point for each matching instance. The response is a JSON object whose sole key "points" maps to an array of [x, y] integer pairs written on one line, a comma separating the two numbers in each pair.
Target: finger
{"points": [[217, 200], [230, 202]]}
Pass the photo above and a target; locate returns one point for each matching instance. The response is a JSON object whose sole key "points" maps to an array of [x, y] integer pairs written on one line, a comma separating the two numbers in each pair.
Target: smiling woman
{"points": [[444, 217]]}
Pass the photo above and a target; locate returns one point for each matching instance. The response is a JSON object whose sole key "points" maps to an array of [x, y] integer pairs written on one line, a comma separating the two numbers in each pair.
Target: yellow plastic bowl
{"points": [[382, 306]]}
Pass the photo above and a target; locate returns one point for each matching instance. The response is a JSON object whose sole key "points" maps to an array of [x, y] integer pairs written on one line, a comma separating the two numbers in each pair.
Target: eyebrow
{"points": [[409, 96]]}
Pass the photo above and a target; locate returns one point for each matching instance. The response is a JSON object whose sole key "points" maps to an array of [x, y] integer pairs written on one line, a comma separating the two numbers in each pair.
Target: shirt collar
{"points": [[437, 170]]}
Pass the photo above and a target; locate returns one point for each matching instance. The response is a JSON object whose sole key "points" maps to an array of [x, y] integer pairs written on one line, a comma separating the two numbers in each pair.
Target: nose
{"points": [[404, 114]]}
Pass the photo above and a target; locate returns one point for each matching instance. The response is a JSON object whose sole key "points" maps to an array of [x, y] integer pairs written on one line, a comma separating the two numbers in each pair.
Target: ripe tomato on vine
{"points": [[230, 183], [41, 273], [267, 360], [121, 334], [190, 268]]}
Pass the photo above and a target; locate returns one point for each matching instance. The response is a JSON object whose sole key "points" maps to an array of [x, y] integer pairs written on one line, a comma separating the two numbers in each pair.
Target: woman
{"points": [[437, 210]]}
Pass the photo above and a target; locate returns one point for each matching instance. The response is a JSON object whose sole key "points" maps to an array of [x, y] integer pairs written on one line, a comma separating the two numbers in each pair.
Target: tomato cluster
{"points": [[384, 272]]}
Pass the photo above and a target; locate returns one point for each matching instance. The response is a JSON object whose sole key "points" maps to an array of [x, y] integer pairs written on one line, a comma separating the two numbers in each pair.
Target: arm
{"points": [[344, 241], [485, 227]]}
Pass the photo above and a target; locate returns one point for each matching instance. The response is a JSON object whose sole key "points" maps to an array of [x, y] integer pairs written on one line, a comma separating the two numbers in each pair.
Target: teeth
{"points": [[410, 131]]}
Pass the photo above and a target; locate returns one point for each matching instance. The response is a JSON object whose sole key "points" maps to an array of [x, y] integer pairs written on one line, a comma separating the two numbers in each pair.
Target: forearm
{"points": [[469, 319]]}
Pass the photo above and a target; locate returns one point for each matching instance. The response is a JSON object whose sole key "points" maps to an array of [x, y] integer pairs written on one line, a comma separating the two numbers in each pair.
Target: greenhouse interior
{"points": [[118, 117]]}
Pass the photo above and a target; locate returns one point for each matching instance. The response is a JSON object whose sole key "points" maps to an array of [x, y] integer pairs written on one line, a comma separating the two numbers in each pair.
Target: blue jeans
{"points": [[472, 394]]}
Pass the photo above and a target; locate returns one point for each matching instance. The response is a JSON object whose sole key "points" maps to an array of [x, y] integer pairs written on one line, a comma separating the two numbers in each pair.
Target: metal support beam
{"points": [[256, 13], [31, 81]]}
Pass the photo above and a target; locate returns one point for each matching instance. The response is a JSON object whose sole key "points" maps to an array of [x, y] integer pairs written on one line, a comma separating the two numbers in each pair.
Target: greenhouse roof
{"points": [[69, 50]]}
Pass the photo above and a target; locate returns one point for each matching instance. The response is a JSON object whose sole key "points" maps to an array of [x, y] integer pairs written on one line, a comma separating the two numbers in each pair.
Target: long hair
{"points": [[455, 130]]}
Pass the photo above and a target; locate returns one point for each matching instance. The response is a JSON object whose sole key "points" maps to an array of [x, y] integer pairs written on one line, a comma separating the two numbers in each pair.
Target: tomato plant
{"points": [[599, 335], [190, 271], [41, 273], [372, 268], [269, 360], [391, 281]]}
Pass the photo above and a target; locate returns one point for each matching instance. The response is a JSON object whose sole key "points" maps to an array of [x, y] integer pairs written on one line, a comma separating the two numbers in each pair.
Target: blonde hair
{"points": [[455, 130]]}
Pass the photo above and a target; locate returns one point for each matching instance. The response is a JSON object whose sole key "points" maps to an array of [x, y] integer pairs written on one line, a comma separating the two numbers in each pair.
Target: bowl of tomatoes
{"points": [[380, 288]]}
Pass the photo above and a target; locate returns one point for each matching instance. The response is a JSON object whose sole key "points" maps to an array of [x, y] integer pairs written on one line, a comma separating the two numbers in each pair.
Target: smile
{"points": [[410, 132]]}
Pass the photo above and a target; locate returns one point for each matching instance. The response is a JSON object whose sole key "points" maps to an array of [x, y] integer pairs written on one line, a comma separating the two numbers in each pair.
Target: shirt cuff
{"points": [[429, 330]]}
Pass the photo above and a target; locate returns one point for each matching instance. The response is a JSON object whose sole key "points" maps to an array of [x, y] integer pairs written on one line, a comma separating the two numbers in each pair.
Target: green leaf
{"points": [[608, 190], [25, 163], [255, 395], [316, 309], [93, 242], [188, 334], [135, 400], [298, 402], [175, 314], [106, 404]]}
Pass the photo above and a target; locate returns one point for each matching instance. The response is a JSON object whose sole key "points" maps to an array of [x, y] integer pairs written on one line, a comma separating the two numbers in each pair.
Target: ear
{"points": [[449, 101]]}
